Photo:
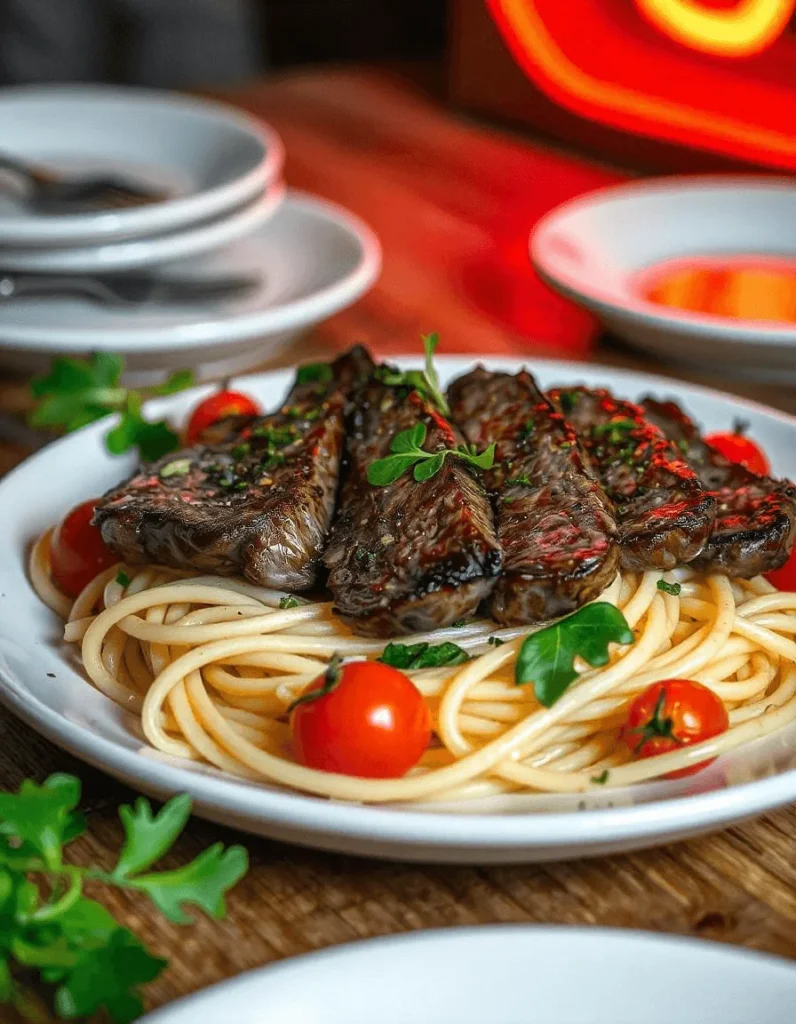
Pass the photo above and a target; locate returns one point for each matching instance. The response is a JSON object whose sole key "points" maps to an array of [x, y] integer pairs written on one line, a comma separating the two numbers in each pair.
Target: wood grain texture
{"points": [[435, 190]]}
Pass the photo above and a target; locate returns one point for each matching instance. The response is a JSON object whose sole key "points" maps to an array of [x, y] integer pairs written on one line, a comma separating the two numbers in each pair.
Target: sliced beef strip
{"points": [[555, 524], [665, 515], [259, 504], [410, 556], [755, 527]]}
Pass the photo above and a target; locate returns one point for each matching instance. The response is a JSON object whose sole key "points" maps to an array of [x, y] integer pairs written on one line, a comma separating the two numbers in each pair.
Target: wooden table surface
{"points": [[443, 195]]}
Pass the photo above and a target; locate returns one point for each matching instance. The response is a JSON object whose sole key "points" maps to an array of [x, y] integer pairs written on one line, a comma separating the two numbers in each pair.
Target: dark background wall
{"points": [[308, 31]]}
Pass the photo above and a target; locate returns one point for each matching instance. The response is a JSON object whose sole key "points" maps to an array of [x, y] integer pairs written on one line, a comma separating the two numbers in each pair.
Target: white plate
{"points": [[210, 157], [150, 251], [593, 248], [748, 781], [312, 259], [505, 974]]}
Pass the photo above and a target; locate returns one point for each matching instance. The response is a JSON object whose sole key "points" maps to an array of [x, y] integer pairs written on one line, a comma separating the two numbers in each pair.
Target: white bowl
{"points": [[213, 158], [312, 259], [593, 248], [512, 974], [149, 250]]}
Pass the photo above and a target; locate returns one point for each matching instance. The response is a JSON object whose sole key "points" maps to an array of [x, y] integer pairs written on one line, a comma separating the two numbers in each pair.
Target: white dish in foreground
{"points": [[592, 249], [210, 157], [312, 259], [512, 974], [150, 251], [748, 781]]}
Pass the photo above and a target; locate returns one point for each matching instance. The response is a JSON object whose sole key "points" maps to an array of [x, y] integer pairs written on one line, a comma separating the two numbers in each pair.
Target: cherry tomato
{"points": [[785, 577], [218, 407], [78, 552], [739, 448], [672, 714], [368, 720]]}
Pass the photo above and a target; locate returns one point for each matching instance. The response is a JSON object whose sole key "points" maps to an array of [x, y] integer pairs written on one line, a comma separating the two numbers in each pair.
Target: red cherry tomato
{"points": [[372, 721], [218, 407], [785, 577], [77, 551], [739, 448], [672, 714]]}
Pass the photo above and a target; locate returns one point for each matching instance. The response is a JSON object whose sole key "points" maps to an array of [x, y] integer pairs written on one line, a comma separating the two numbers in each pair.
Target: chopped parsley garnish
{"points": [[407, 451], [177, 467], [602, 778], [123, 579], [362, 555], [459, 624], [240, 451], [279, 437], [425, 381], [314, 373], [615, 431], [683, 445], [669, 588], [527, 428], [547, 657], [495, 641], [79, 391], [568, 400], [519, 481], [423, 655], [290, 602]]}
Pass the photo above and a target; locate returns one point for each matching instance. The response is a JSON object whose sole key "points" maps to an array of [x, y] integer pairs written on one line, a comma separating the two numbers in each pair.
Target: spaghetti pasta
{"points": [[211, 665]]}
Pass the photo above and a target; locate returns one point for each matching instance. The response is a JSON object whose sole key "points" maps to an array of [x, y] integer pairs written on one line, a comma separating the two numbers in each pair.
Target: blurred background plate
{"points": [[508, 974], [211, 157], [149, 251], [312, 259], [597, 248]]}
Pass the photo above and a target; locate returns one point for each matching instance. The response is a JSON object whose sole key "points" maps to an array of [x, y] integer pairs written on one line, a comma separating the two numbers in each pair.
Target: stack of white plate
{"points": [[225, 213]]}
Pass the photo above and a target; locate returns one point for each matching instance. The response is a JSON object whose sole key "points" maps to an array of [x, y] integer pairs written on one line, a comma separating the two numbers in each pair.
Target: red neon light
{"points": [[601, 59], [736, 29]]}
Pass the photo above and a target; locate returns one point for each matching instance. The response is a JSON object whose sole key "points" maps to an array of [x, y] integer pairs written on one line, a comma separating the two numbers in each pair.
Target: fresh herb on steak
{"points": [[177, 467], [669, 588], [423, 655], [519, 481], [547, 658], [567, 400], [425, 381], [314, 373], [79, 391], [615, 431], [407, 451]]}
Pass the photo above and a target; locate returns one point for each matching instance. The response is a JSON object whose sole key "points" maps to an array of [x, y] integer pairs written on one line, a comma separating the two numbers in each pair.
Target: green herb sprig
{"points": [[79, 391], [547, 657], [614, 431], [669, 588], [407, 451], [426, 381], [84, 958], [423, 655]]}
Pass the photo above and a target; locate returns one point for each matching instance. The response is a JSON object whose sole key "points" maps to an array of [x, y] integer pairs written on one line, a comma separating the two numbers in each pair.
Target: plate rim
{"points": [[105, 227], [455, 935], [637, 310], [437, 833], [220, 329]]}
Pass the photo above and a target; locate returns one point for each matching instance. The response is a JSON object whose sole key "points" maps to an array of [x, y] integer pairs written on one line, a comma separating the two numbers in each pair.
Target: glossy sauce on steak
{"points": [[664, 514], [554, 522], [755, 527], [410, 556], [258, 503]]}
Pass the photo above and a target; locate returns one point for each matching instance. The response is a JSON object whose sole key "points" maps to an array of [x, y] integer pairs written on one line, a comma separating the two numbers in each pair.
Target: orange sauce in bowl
{"points": [[740, 287]]}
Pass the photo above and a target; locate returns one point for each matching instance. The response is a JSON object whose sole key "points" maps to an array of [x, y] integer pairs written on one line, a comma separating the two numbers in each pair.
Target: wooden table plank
{"points": [[440, 193]]}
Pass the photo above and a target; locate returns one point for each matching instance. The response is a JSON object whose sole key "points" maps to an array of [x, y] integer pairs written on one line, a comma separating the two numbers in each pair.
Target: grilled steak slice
{"points": [[664, 514], [755, 527], [259, 504], [410, 556], [554, 523]]}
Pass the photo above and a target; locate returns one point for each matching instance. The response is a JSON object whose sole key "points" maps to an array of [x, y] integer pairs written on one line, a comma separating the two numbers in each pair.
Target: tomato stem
{"points": [[659, 726], [331, 680]]}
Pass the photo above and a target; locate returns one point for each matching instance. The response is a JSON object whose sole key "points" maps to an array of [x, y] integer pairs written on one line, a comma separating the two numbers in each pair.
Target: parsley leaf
{"points": [[423, 655], [79, 391], [425, 381], [147, 838], [42, 816], [669, 588], [615, 431], [123, 579], [602, 778], [547, 657], [314, 373], [407, 451], [290, 602]]}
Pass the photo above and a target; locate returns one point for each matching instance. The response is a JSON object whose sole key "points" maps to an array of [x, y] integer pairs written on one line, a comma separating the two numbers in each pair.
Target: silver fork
{"points": [[50, 192], [123, 289]]}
